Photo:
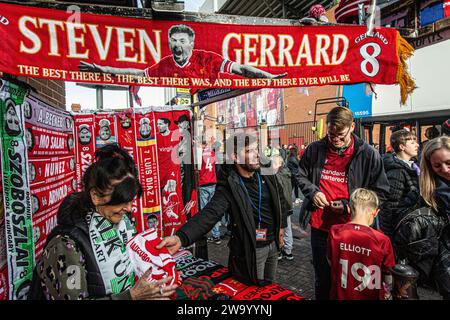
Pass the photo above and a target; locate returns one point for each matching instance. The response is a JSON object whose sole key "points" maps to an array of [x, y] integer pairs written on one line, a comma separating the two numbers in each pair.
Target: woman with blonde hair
{"points": [[435, 177], [423, 236]]}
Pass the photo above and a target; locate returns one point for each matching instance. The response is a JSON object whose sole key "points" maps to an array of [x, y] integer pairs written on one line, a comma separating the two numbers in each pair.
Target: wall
{"points": [[51, 90], [429, 68]]}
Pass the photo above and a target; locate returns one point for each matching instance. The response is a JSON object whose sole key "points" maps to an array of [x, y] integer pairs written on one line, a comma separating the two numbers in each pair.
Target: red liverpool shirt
{"points": [[207, 174], [170, 169], [202, 64], [333, 183], [359, 258]]}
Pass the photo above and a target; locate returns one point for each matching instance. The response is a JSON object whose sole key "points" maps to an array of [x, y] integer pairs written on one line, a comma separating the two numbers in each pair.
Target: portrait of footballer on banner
{"points": [[186, 62]]}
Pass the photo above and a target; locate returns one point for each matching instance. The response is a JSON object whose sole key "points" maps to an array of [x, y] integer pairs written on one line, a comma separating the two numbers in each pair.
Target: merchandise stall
{"points": [[44, 150]]}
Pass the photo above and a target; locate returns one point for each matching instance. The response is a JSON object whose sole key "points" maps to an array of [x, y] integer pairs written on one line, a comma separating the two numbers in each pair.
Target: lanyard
{"points": [[259, 196]]}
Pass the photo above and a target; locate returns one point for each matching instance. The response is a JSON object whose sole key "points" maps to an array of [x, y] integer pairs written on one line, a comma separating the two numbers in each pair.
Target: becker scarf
{"points": [[109, 245]]}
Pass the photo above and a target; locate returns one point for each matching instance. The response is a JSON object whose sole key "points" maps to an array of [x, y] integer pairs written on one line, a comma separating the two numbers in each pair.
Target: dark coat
{"points": [[403, 195], [230, 196], [71, 222], [443, 196], [292, 164], [284, 180], [423, 238], [365, 171]]}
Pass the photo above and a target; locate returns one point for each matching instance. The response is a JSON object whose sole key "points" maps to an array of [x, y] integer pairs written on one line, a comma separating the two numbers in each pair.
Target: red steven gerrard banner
{"points": [[45, 43]]}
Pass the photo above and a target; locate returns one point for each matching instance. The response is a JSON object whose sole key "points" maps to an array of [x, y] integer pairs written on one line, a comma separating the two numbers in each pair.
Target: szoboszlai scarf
{"points": [[108, 242]]}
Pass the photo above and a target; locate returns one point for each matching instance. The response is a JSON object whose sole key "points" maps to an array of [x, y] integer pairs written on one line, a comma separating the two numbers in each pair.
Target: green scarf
{"points": [[108, 242]]}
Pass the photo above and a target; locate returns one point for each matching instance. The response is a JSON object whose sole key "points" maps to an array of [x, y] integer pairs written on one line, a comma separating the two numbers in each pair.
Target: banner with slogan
{"points": [[147, 159], [126, 136], [16, 193], [45, 43], [84, 144]]}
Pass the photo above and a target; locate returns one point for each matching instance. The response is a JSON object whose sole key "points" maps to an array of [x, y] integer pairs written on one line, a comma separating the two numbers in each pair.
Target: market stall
{"points": [[44, 151]]}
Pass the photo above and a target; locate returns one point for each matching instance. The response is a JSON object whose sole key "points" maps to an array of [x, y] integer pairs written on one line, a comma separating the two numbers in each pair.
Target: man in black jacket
{"points": [[403, 176], [256, 214], [329, 171]]}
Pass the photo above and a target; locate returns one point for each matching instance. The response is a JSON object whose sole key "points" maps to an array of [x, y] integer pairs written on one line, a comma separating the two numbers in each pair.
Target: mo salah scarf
{"points": [[108, 242]]}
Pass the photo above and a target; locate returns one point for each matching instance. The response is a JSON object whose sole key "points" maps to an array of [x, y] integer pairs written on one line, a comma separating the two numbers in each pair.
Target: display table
{"points": [[225, 284]]}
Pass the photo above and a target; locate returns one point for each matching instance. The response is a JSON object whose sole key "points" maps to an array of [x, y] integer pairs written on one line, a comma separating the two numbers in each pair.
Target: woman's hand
{"points": [[155, 290]]}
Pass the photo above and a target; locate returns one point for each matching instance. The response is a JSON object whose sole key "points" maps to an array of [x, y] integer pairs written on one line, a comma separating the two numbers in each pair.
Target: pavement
{"points": [[297, 274]]}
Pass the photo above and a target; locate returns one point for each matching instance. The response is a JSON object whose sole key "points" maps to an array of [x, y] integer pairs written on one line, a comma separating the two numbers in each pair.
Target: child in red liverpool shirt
{"points": [[359, 256]]}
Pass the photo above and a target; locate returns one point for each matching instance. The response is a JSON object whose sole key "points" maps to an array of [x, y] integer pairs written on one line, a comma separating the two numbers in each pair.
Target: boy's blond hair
{"points": [[362, 200]]}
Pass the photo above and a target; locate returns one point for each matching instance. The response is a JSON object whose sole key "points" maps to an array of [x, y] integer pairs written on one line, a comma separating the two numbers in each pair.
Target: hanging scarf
{"points": [[108, 242]]}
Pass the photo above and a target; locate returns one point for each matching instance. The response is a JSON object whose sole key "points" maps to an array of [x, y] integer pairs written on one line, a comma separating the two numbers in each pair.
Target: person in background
{"points": [[292, 164], [435, 190], [283, 175], [329, 171], [445, 128], [207, 183], [85, 251], [360, 257], [284, 152], [430, 134], [403, 176], [301, 151]]}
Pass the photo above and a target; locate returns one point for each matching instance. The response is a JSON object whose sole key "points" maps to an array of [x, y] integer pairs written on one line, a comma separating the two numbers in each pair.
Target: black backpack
{"points": [[416, 238]]}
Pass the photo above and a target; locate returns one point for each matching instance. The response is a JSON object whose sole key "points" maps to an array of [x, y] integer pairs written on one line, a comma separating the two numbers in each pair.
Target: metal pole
{"points": [[418, 132], [371, 21], [130, 99], [99, 94], [371, 134], [382, 138], [283, 4]]}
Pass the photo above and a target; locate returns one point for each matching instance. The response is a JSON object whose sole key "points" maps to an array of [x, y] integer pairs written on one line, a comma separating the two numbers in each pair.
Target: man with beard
{"points": [[185, 62], [256, 214]]}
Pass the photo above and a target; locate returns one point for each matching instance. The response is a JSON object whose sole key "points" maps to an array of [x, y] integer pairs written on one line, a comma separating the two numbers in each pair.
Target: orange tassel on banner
{"points": [[407, 84]]}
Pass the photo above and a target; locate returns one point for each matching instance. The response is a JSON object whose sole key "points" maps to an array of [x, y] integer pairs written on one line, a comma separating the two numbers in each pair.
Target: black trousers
{"points": [[322, 272]]}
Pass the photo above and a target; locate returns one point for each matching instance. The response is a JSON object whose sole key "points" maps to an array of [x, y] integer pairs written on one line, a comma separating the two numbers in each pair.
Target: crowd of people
{"points": [[366, 213]]}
